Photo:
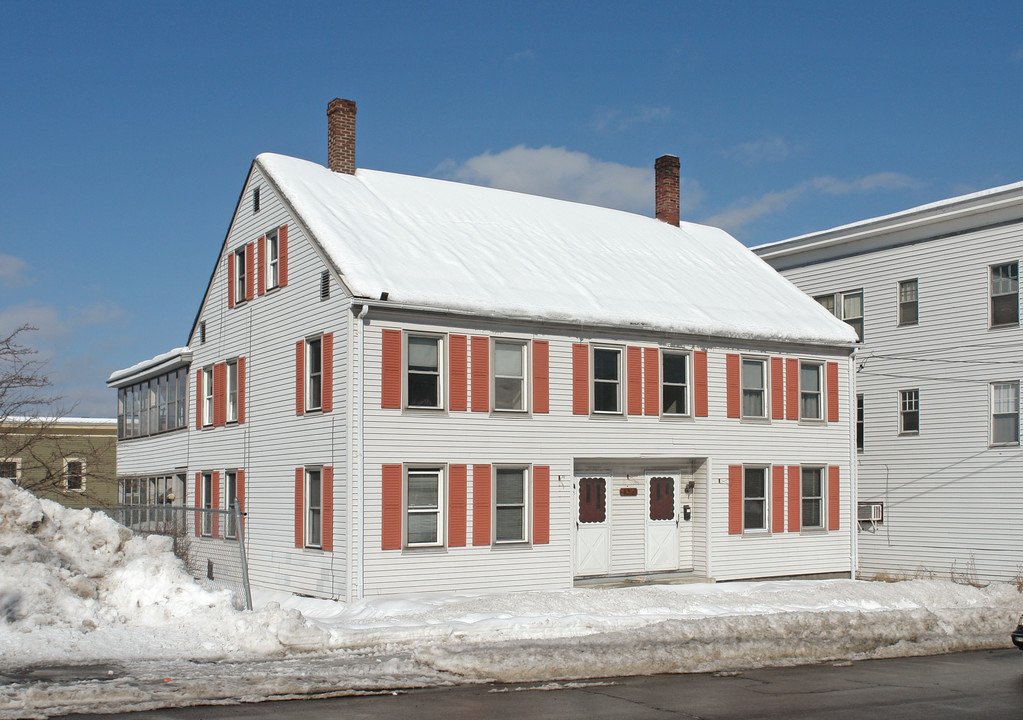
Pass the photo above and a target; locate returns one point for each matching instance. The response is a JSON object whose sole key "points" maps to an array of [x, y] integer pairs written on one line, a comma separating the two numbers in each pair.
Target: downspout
{"points": [[853, 474], [361, 415]]}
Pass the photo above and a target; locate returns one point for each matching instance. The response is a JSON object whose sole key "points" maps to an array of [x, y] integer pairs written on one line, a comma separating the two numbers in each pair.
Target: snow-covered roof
{"points": [[168, 359], [59, 421], [448, 245]]}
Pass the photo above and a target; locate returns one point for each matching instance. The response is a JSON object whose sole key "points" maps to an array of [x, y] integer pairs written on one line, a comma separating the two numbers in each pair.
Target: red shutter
{"points": [[198, 503], [580, 379], [300, 377], [198, 399], [220, 394], [230, 279], [390, 369], [457, 507], [390, 498], [634, 380], [541, 504], [834, 498], [792, 389], [261, 265], [458, 378], [480, 374], [778, 499], [241, 389], [216, 503], [239, 495], [541, 377], [328, 509], [299, 506], [777, 388], [735, 499], [282, 255], [700, 383], [480, 504], [652, 381], [832, 392], [732, 380], [795, 498], [327, 402], [250, 271]]}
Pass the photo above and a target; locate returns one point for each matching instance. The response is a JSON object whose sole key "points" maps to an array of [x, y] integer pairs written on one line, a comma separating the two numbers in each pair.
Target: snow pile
{"points": [[76, 584]]}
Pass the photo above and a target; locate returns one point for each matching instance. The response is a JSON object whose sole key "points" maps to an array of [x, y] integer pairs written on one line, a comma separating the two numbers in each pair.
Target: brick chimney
{"points": [[341, 136], [666, 192]]}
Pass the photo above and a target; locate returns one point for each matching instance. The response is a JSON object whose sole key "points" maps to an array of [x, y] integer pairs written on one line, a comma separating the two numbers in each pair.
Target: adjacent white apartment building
{"points": [[933, 293]]}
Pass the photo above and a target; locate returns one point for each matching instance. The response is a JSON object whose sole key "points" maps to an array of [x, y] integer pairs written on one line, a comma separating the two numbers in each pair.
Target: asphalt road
{"points": [[985, 684]]}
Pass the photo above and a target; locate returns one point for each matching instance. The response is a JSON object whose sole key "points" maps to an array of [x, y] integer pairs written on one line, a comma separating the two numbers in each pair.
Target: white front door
{"points": [[593, 531], [662, 521]]}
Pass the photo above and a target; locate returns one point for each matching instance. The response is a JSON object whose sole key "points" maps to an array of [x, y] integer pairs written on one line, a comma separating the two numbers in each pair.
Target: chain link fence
{"points": [[210, 542]]}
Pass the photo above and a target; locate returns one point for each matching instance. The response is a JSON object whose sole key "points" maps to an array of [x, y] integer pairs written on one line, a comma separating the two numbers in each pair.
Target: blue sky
{"points": [[128, 128]]}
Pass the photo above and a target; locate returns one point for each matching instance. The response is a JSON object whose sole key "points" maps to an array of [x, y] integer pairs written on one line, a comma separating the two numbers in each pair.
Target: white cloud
{"points": [[773, 202], [566, 175], [619, 120], [769, 148], [523, 56], [13, 271], [97, 313], [45, 318]]}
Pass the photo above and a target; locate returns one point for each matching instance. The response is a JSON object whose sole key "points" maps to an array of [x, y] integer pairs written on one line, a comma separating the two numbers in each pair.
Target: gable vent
{"points": [[202, 331], [325, 285]]}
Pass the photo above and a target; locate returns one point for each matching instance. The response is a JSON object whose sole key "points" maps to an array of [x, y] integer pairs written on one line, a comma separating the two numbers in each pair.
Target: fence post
{"points": [[240, 529]]}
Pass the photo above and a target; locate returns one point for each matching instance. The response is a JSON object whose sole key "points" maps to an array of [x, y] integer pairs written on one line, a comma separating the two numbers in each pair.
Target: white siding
{"points": [[951, 502]]}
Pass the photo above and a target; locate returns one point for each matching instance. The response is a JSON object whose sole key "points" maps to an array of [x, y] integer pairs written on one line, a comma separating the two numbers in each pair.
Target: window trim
{"points": [[208, 399], [67, 473], [525, 346], [687, 385], [821, 499], [991, 296], [17, 466], [309, 375], [240, 271], [441, 340], [230, 488], [440, 511], [527, 519], [231, 399], [901, 322], [764, 390], [821, 394], [206, 489], [620, 411], [765, 499], [991, 400], [903, 411], [272, 247], [307, 509]]}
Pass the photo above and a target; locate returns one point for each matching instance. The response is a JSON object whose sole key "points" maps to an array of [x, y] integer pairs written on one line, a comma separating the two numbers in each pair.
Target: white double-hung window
{"points": [[811, 391], [424, 384], [207, 395], [232, 391], [510, 504], [812, 497], [674, 383], [239, 275], [754, 498], [273, 268], [424, 502], [1005, 413], [510, 375], [754, 388], [607, 380]]}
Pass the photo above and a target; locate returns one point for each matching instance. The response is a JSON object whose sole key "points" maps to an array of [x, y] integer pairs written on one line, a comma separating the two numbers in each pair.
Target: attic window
{"points": [[255, 199], [202, 331], [325, 285]]}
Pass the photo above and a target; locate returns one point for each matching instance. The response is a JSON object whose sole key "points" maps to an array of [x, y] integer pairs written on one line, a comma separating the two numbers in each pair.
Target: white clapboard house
{"points": [[934, 294], [411, 384]]}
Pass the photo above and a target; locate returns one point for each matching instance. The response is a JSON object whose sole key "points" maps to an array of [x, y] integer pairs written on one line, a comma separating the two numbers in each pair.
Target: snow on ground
{"points": [[76, 589]]}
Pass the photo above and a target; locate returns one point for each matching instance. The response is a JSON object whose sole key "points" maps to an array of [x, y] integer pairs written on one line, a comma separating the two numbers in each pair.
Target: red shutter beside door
{"points": [[390, 497], [795, 498], [834, 498], [282, 255], [778, 498], [327, 543], [480, 374], [580, 379], [652, 381], [300, 377], [541, 376], [390, 369], [732, 382], [327, 402], [700, 383], [457, 508], [458, 373], [735, 499], [299, 506], [634, 380], [541, 504], [480, 504], [777, 388], [832, 392]]}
